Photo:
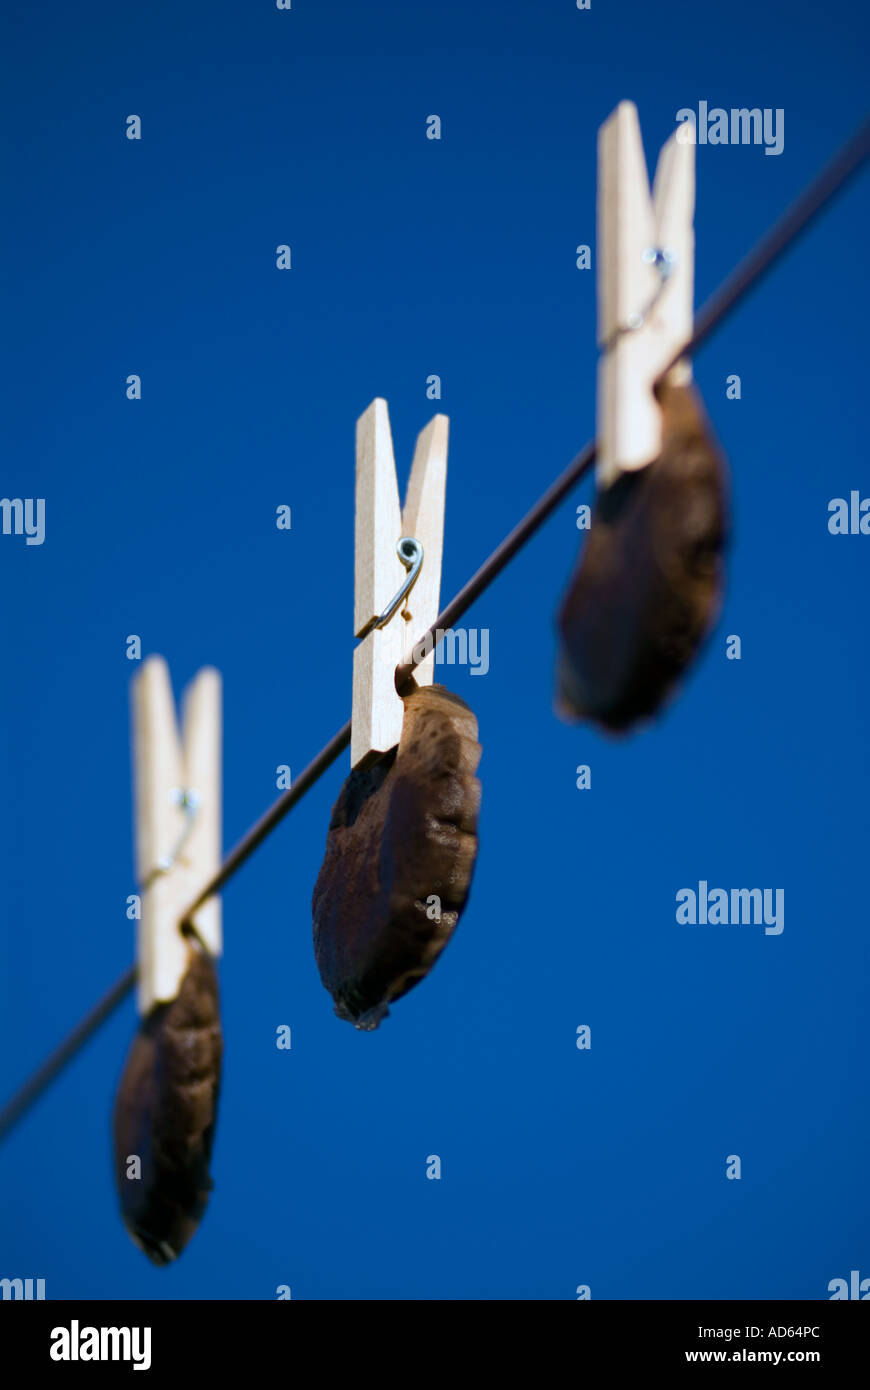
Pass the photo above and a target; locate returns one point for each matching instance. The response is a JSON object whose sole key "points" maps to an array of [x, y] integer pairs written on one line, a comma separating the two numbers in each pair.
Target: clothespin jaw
{"points": [[646, 261], [177, 812], [379, 573]]}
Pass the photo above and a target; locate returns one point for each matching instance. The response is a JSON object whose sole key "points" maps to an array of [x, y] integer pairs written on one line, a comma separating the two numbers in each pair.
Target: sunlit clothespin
{"points": [[646, 261], [177, 820], [382, 572]]}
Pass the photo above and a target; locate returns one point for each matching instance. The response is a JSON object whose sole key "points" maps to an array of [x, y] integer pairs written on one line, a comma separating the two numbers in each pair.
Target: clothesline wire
{"points": [[795, 220]]}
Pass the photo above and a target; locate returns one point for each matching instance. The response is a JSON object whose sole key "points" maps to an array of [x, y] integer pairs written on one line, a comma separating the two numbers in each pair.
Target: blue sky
{"points": [[412, 257]]}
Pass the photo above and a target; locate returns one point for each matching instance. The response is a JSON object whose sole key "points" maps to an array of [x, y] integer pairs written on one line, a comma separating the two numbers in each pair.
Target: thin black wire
{"points": [[832, 179], [45, 1074]]}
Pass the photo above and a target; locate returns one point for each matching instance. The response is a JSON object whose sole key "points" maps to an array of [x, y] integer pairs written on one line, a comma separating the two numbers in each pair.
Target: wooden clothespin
{"points": [[646, 257], [178, 822], [648, 582], [388, 633]]}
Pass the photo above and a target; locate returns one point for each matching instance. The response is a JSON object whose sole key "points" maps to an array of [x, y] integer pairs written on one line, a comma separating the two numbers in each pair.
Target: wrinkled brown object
{"points": [[648, 585], [165, 1112], [403, 830]]}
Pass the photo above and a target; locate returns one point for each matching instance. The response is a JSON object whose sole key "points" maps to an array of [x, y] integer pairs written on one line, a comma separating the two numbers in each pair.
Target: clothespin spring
{"points": [[190, 801], [665, 262], [410, 552]]}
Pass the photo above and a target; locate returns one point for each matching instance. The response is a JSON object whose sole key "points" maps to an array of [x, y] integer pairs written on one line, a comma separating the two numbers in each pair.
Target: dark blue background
{"points": [[413, 257]]}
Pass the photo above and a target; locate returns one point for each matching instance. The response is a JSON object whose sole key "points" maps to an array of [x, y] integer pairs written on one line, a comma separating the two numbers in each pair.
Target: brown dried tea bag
{"points": [[647, 588], [165, 1113], [399, 859]]}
